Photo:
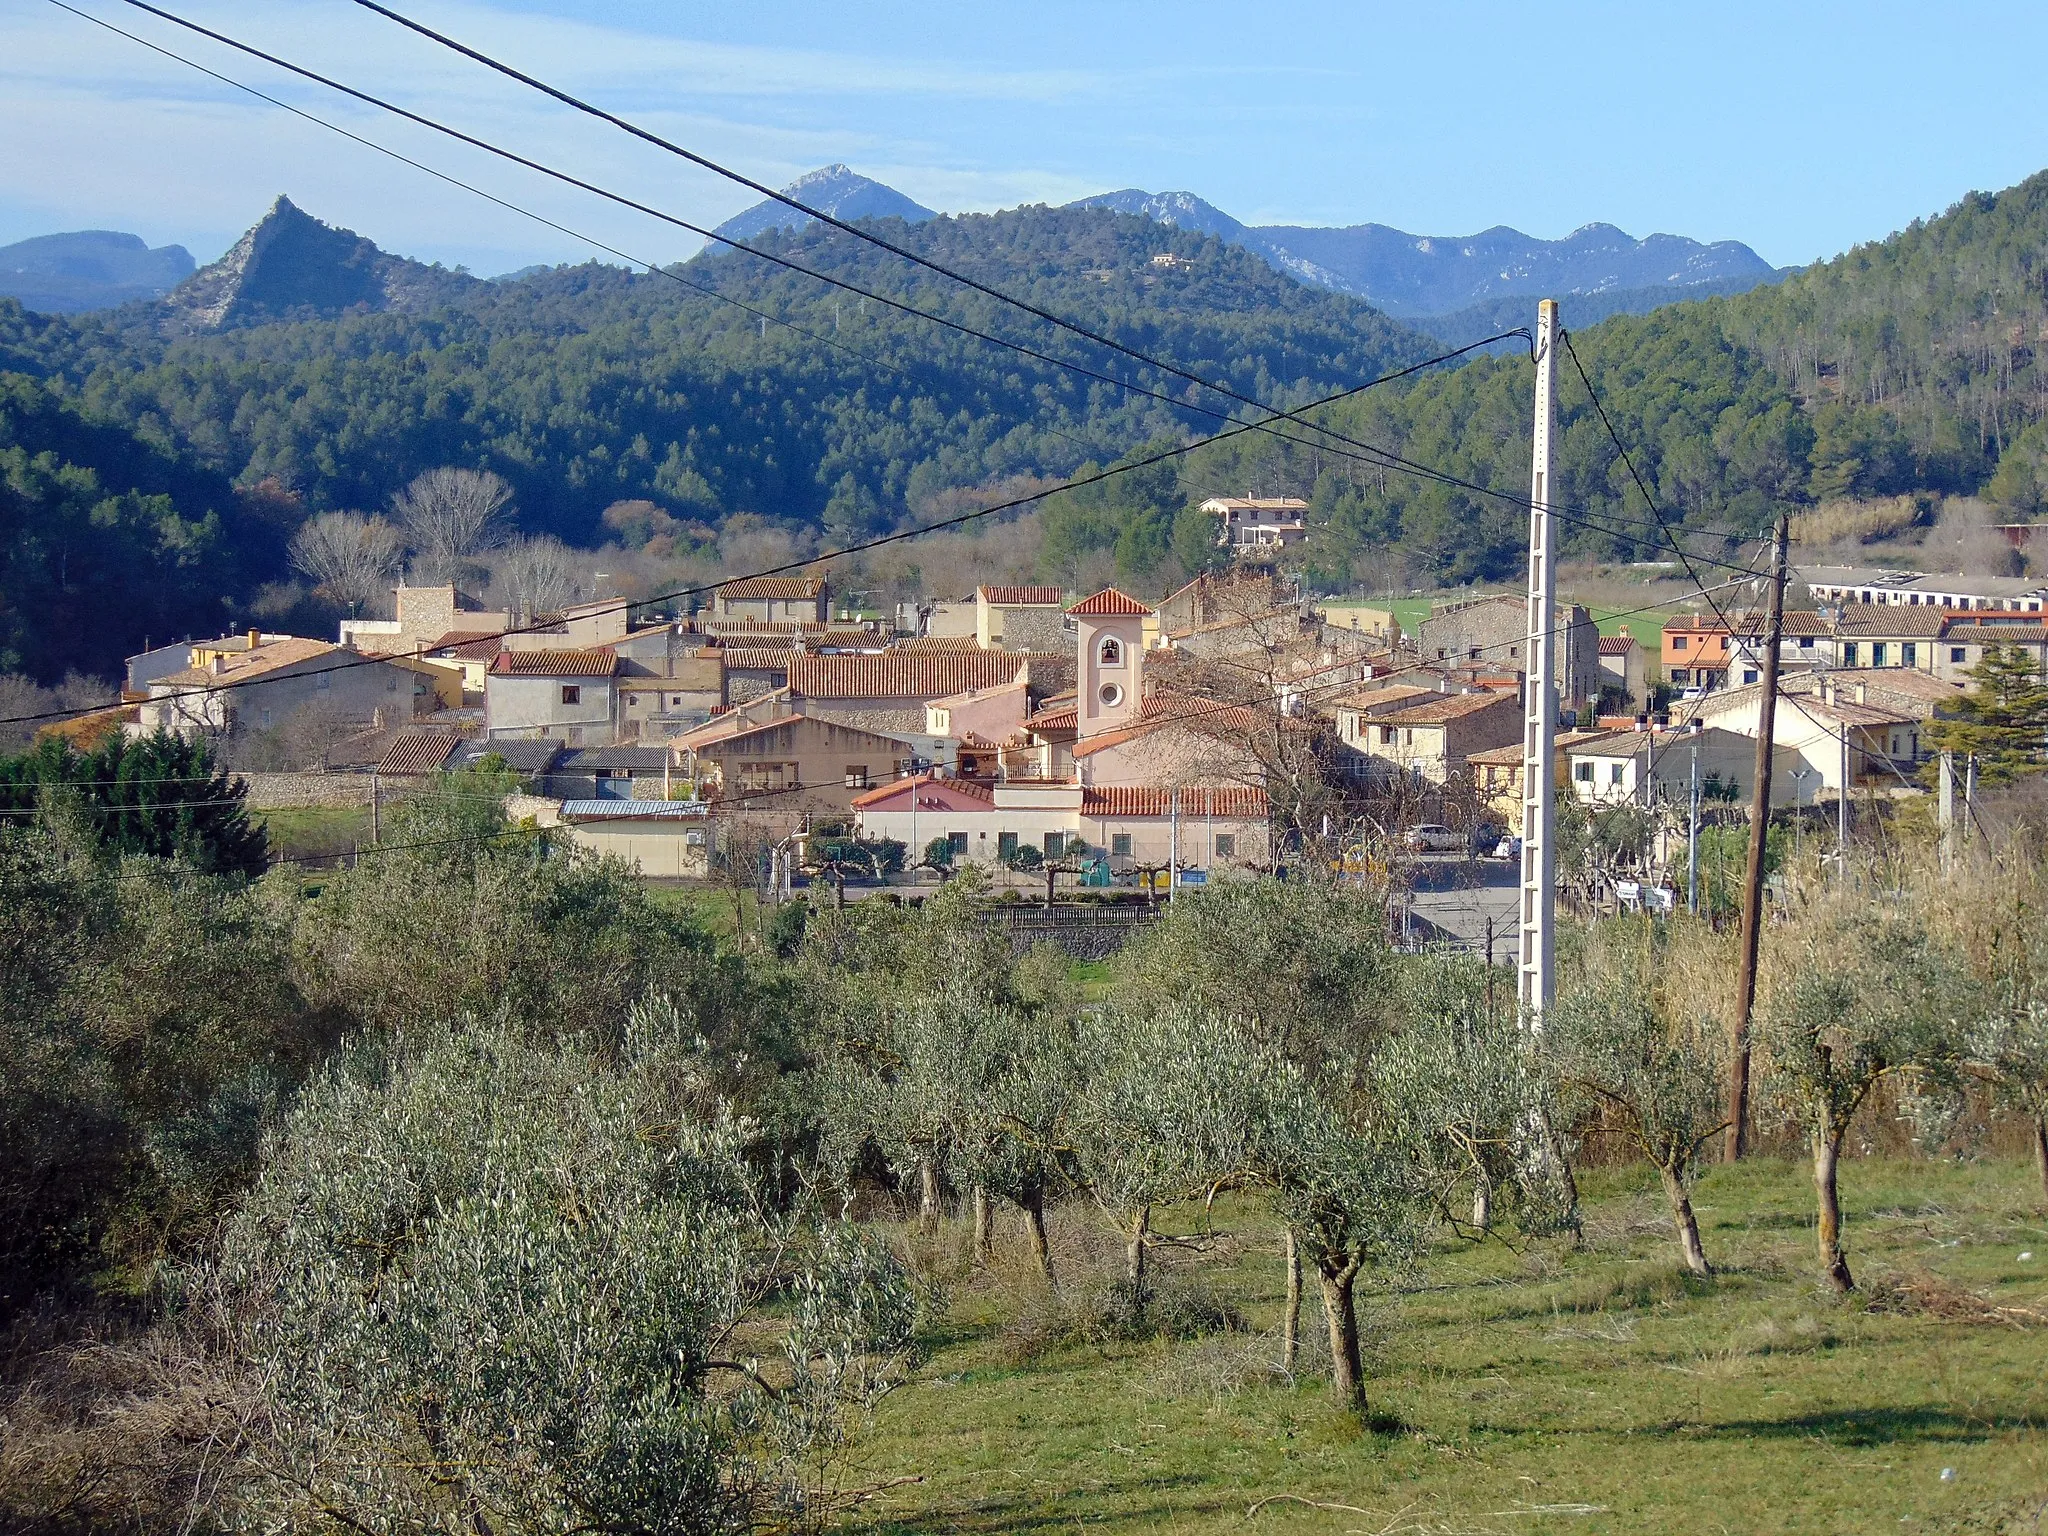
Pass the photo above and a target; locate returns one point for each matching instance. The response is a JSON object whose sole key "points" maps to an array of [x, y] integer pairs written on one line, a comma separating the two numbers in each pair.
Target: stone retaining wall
{"points": [[303, 791]]}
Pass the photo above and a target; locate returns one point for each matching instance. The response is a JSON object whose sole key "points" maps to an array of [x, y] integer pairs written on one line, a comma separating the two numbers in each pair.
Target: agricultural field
{"points": [[1515, 1386]]}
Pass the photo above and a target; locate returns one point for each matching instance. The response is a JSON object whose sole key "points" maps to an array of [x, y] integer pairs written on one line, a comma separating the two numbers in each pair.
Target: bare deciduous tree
{"points": [[451, 516], [537, 576], [353, 558]]}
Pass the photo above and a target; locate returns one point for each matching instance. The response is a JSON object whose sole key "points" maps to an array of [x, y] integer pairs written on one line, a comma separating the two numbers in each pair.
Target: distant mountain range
{"points": [[1414, 277], [835, 189], [89, 269], [1456, 288]]}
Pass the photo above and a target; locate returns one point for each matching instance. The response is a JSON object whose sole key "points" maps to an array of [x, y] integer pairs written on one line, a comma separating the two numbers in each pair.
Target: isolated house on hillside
{"points": [[1258, 525]]}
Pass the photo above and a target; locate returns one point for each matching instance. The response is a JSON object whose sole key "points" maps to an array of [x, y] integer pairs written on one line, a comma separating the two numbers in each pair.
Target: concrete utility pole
{"points": [[1759, 835], [1692, 837], [1945, 812], [1539, 713]]}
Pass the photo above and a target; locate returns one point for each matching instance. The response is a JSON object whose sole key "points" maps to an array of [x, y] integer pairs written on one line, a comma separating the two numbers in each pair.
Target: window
{"points": [[1582, 772], [1472, 653], [1006, 845], [1616, 772], [957, 841], [1386, 735], [1681, 676], [1055, 844], [1226, 845], [1806, 642], [1120, 845], [1749, 674], [1111, 652], [572, 693], [1955, 653], [1877, 650], [1678, 642], [321, 682], [1112, 695], [1909, 654], [1848, 653], [856, 775]]}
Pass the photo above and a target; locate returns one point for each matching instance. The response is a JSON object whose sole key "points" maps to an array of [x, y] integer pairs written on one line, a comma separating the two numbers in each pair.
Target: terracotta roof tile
{"points": [[554, 664], [782, 588], [1617, 645], [1108, 602], [938, 643], [468, 645], [1233, 802], [1441, 711], [1021, 597], [901, 674], [881, 792], [413, 752], [749, 658]]}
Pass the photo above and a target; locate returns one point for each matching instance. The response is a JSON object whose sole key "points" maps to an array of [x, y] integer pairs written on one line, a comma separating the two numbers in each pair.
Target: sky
{"points": [[1799, 129]]}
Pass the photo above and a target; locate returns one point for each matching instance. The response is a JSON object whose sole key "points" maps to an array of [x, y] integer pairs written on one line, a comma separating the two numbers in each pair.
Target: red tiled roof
{"points": [[418, 751], [901, 674], [468, 645], [881, 792], [554, 664], [783, 588], [938, 643], [1453, 707], [1170, 709], [1617, 645], [1021, 597], [755, 658], [1235, 803], [1109, 601]]}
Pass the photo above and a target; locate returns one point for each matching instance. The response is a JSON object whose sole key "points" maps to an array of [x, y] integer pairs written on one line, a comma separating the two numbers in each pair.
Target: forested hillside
{"points": [[1904, 365]]}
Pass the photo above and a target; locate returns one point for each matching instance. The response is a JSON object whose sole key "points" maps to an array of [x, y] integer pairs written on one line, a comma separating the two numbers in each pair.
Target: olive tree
{"points": [[1628, 1042], [493, 1285], [2008, 1048], [1858, 994]]}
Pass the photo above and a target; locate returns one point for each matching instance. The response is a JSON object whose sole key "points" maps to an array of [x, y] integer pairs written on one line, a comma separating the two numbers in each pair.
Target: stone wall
{"points": [[1084, 932], [302, 791]]}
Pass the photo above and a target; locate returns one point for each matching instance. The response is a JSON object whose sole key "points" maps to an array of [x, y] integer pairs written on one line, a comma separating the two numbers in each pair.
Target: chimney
{"points": [[217, 664], [255, 638]]}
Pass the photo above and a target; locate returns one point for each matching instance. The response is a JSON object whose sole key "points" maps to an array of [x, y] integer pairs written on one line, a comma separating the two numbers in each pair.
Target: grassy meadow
{"points": [[1517, 1386]]}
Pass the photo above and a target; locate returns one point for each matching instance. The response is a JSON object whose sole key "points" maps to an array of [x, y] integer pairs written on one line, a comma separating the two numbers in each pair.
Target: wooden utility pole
{"points": [[1759, 833]]}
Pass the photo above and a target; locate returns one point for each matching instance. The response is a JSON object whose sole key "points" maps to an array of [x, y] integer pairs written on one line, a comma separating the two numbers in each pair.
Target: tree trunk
{"points": [[1482, 1201], [1687, 1224], [927, 1196], [1347, 1370], [1827, 1157], [1034, 1233], [1134, 1255], [984, 1237], [1290, 1321], [2041, 1152]]}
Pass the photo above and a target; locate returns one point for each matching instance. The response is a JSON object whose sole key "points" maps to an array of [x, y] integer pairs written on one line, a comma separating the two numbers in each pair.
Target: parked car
{"points": [[1432, 837]]}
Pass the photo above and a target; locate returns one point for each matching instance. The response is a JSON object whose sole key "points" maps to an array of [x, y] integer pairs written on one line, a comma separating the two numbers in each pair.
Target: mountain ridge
{"points": [[1415, 277], [88, 269], [835, 189]]}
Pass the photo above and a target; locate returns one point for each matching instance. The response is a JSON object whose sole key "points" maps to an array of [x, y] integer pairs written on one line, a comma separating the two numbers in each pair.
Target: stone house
{"points": [[1624, 669], [261, 681], [1650, 768], [427, 619], [1431, 740], [1494, 633], [773, 599], [1020, 619], [792, 765]]}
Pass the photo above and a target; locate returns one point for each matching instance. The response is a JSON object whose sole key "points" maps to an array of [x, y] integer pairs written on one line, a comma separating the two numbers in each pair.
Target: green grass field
{"points": [[315, 831], [1526, 1388]]}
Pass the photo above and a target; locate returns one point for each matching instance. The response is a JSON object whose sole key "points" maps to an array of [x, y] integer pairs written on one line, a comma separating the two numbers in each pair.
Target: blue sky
{"points": [[1797, 128]]}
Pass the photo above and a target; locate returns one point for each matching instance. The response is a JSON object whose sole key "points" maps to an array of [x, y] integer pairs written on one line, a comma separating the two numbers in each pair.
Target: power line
{"points": [[794, 565], [1392, 460], [1376, 456]]}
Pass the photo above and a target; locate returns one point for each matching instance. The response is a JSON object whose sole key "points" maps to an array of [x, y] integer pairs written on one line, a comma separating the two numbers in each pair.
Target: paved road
{"points": [[1460, 900]]}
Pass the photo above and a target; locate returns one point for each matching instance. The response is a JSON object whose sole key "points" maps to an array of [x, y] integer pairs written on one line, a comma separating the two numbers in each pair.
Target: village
{"points": [[1115, 742]]}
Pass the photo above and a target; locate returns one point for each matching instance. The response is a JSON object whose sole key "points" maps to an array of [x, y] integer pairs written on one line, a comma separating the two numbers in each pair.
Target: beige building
{"points": [[265, 680], [773, 599], [1020, 619], [1431, 740]]}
